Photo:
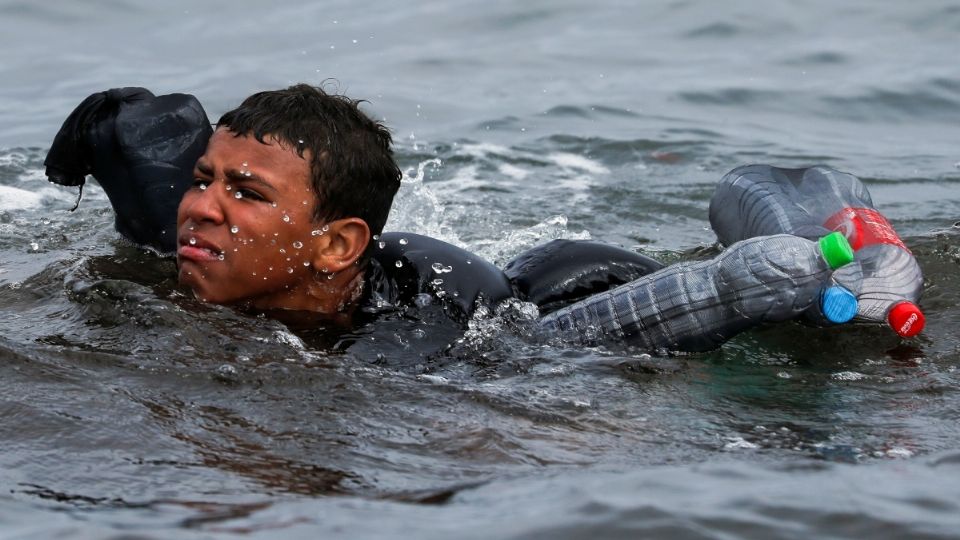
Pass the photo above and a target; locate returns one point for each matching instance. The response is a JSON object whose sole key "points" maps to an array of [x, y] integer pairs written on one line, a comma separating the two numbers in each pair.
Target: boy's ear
{"points": [[340, 245]]}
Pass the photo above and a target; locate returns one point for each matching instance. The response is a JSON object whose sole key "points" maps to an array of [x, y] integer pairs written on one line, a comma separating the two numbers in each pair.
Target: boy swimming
{"points": [[280, 209]]}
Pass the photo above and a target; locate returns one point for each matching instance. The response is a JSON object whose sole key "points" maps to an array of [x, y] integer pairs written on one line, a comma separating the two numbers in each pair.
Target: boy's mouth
{"points": [[196, 248]]}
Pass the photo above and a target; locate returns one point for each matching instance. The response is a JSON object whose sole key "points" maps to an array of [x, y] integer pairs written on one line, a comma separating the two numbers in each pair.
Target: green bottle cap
{"points": [[836, 250]]}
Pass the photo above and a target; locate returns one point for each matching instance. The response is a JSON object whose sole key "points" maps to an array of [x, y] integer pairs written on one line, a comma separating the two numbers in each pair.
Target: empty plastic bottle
{"points": [[696, 306], [756, 200]]}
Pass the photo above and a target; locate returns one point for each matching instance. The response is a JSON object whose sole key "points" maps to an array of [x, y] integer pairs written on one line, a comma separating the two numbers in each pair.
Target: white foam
{"points": [[513, 171], [411, 177], [13, 159], [578, 162], [289, 339], [12, 198], [739, 443], [434, 379], [575, 183], [484, 149], [848, 376], [899, 452], [466, 177], [416, 208]]}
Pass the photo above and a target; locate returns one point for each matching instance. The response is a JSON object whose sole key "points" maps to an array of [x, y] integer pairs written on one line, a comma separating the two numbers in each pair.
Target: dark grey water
{"points": [[128, 409]]}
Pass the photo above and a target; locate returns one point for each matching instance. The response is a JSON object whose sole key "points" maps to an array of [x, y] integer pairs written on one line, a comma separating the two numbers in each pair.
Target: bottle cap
{"points": [[836, 250], [906, 319], [838, 304]]}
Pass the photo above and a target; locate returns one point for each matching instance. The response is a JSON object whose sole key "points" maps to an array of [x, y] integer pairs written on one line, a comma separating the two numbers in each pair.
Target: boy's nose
{"points": [[207, 205]]}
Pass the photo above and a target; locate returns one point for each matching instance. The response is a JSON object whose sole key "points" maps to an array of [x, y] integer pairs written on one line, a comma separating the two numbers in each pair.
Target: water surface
{"points": [[129, 408]]}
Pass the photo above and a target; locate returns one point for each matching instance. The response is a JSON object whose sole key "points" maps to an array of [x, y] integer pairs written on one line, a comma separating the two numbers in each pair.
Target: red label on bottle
{"points": [[864, 227]]}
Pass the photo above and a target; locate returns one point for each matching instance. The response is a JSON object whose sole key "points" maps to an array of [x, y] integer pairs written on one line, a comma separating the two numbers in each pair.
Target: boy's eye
{"points": [[244, 193]]}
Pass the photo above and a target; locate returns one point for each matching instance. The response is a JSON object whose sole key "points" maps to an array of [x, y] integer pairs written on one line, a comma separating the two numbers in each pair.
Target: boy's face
{"points": [[245, 228]]}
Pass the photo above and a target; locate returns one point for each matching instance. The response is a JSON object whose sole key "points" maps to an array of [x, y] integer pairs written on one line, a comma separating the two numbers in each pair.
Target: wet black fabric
{"points": [[411, 265], [142, 149], [561, 272]]}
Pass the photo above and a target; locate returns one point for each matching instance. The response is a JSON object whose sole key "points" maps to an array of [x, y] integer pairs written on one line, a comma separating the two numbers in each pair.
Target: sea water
{"points": [[128, 408]]}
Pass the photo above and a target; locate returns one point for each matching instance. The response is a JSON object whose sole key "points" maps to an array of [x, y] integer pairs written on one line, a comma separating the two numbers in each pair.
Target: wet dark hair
{"points": [[352, 167]]}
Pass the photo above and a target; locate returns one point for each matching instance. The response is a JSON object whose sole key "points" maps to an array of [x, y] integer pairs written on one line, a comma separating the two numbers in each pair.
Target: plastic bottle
{"points": [[696, 306], [758, 200]]}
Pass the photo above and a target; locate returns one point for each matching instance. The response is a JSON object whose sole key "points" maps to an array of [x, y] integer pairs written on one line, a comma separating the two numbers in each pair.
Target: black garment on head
{"points": [[141, 149]]}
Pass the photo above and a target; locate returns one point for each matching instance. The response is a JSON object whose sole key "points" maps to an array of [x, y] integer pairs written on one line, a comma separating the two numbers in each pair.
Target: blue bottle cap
{"points": [[838, 304]]}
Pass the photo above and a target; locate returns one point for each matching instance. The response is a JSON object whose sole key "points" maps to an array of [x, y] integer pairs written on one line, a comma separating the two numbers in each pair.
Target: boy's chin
{"points": [[196, 286]]}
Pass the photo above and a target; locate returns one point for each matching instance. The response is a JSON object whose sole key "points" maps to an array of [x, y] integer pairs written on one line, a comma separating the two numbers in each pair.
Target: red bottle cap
{"points": [[906, 319]]}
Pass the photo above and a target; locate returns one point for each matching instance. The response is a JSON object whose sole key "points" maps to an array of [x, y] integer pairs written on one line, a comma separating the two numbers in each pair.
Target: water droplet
{"points": [[273, 204], [403, 241], [399, 264], [330, 276], [440, 268], [192, 228], [299, 141], [244, 164], [283, 251], [247, 173], [193, 241], [228, 188], [238, 195], [316, 232], [437, 282], [203, 187], [226, 372], [221, 256], [376, 237], [289, 270], [382, 245], [325, 228], [298, 244], [306, 263], [234, 229], [286, 219]]}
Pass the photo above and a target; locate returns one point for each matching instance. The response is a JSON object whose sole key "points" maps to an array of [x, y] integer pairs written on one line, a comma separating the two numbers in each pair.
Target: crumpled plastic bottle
{"points": [[696, 306], [756, 200]]}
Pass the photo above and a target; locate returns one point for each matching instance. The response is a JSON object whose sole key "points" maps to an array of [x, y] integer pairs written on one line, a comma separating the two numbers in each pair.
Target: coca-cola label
{"points": [[864, 227], [908, 324]]}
